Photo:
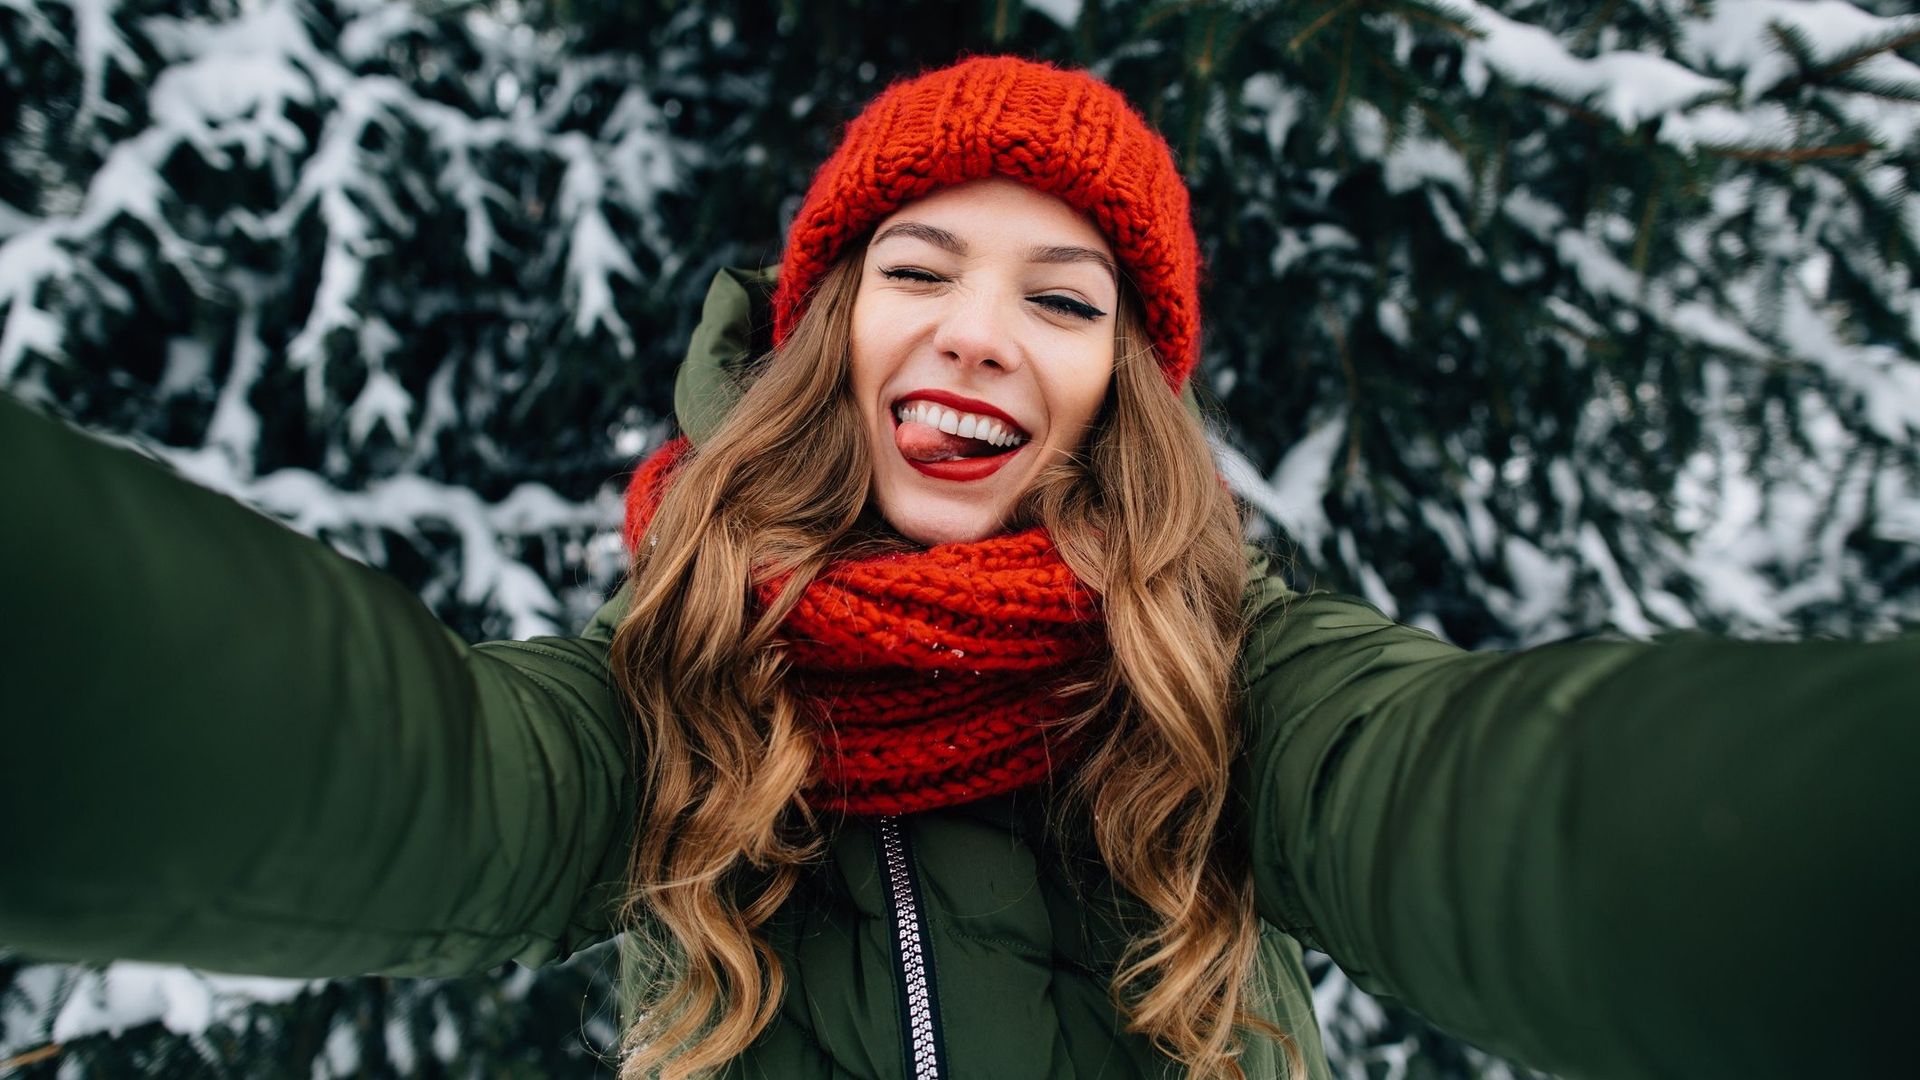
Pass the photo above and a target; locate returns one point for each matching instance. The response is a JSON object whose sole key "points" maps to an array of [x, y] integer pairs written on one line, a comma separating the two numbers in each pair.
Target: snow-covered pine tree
{"points": [[388, 276], [1527, 318], [380, 273], [1593, 316]]}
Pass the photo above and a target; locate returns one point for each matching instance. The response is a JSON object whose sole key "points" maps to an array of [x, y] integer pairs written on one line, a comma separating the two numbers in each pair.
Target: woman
{"points": [[942, 727]]}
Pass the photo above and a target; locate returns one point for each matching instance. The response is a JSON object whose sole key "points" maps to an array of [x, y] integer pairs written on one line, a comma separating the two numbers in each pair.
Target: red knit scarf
{"points": [[932, 674]]}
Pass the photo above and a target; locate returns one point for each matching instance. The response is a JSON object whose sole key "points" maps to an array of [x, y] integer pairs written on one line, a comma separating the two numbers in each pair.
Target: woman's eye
{"points": [[908, 273], [1067, 305], [1059, 305]]}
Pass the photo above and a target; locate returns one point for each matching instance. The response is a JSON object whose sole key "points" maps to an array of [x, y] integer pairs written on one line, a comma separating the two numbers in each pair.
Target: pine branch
{"points": [[1890, 43], [1492, 177], [1346, 74], [1590, 31], [1338, 332], [1578, 112], [1881, 216], [1238, 32], [1440, 17], [32, 1057], [1794, 42], [1817, 73], [1841, 127], [1319, 24], [1643, 243], [1154, 18], [1203, 65], [1888, 89], [1792, 155], [1438, 122]]}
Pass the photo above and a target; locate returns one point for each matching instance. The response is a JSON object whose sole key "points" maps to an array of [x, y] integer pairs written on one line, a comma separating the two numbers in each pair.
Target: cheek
{"points": [[859, 357], [869, 349], [1082, 395]]}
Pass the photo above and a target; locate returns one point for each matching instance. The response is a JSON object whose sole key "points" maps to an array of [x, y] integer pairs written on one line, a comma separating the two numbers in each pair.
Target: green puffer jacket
{"points": [[225, 745]]}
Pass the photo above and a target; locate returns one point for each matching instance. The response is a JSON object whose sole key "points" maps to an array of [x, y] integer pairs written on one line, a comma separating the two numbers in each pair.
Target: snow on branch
{"points": [[319, 200], [410, 506], [1733, 63], [1625, 86]]}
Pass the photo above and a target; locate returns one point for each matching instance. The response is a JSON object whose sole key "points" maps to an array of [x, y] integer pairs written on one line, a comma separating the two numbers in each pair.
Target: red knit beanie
{"points": [[1062, 132]]}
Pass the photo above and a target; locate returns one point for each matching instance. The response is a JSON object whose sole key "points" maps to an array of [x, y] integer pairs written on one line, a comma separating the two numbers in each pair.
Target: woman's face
{"points": [[983, 343]]}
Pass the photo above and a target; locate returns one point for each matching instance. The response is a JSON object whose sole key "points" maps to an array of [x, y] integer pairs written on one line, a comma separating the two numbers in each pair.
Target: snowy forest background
{"points": [[1526, 319]]}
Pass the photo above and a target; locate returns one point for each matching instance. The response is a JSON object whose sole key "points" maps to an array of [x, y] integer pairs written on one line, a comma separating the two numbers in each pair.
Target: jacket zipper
{"points": [[920, 1017]]}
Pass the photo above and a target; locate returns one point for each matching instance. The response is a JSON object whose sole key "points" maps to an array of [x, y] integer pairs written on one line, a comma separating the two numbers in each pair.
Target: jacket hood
{"points": [[736, 325]]}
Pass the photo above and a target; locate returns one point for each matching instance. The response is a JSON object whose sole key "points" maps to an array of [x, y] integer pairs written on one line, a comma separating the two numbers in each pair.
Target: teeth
{"points": [[965, 425]]}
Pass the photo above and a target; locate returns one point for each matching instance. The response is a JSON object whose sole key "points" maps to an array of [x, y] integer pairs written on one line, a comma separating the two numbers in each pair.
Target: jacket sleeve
{"points": [[1691, 858], [225, 745]]}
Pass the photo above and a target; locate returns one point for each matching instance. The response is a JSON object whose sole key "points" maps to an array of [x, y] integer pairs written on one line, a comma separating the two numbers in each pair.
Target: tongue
{"points": [[924, 442]]}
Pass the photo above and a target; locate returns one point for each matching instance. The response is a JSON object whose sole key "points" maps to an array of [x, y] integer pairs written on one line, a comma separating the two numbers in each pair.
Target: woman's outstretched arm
{"points": [[1693, 858], [223, 744]]}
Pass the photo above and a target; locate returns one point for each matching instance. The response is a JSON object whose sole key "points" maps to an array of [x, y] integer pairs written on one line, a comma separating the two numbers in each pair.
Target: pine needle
{"points": [[1318, 24]]}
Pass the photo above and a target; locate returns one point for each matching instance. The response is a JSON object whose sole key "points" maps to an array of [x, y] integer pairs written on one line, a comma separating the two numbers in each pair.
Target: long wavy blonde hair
{"points": [[724, 748]]}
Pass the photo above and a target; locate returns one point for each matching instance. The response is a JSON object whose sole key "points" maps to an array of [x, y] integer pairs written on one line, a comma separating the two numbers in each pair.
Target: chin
{"points": [[930, 525]]}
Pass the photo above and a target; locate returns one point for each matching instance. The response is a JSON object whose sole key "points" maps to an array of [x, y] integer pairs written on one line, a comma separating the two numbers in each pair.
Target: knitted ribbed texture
{"points": [[932, 674], [1062, 132]]}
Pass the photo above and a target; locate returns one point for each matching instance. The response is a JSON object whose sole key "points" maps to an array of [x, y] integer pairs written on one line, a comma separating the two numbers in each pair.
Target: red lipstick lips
{"points": [[970, 468], [960, 469], [964, 404]]}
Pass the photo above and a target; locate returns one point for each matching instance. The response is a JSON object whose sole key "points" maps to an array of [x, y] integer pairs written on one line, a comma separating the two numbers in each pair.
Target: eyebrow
{"points": [[939, 238], [946, 241], [1072, 253]]}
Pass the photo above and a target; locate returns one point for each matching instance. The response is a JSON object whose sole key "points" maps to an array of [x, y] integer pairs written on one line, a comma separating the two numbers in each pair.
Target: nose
{"points": [[977, 330]]}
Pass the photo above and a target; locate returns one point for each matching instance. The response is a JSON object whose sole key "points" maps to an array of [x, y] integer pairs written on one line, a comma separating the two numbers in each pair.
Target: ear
{"points": [[736, 329]]}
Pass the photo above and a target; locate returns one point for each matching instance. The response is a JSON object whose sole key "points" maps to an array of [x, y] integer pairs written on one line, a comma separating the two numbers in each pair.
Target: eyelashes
{"points": [[1054, 302], [903, 273], [1067, 305]]}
